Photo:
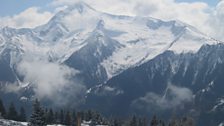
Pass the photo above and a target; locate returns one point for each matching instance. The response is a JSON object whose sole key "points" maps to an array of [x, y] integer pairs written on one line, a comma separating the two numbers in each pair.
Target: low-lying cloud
{"points": [[51, 81], [174, 97]]}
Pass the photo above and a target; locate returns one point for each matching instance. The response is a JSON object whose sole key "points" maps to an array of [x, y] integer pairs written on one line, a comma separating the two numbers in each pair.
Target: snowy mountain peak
{"points": [[100, 24], [81, 7], [142, 38]]}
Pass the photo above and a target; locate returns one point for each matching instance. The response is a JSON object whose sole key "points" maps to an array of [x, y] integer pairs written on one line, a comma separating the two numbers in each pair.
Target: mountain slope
{"points": [[190, 83]]}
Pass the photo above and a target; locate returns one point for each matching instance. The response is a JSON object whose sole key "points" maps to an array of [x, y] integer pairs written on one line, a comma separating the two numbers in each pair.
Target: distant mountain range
{"points": [[128, 64]]}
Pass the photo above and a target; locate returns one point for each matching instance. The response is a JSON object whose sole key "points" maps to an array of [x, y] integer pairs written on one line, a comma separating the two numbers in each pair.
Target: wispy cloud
{"points": [[215, 21], [51, 81], [174, 97], [29, 18]]}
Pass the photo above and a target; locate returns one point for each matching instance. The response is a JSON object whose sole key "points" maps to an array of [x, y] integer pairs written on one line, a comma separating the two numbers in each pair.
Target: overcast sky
{"points": [[206, 15]]}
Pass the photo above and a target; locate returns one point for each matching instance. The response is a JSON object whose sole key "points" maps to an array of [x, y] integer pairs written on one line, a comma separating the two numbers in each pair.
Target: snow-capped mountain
{"points": [[135, 39], [190, 83], [121, 59]]}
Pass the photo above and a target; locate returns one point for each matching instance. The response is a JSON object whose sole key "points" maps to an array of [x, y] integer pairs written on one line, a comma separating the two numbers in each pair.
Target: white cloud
{"points": [[174, 97], [51, 81], [216, 23], [191, 13], [29, 18], [82, 22]]}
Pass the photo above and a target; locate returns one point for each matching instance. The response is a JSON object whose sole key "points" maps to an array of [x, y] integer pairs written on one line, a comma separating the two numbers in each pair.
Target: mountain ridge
{"points": [[108, 50], [140, 39]]}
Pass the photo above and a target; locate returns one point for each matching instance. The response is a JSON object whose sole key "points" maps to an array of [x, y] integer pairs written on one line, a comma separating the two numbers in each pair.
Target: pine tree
{"points": [[45, 115], [68, 118], [154, 121], [96, 118], [61, 117], [161, 123], [2, 109], [12, 113], [89, 115], [140, 122], [82, 115], [116, 122], [143, 122], [50, 117], [173, 122], [56, 118], [187, 121], [37, 117], [133, 121], [74, 118], [22, 115]]}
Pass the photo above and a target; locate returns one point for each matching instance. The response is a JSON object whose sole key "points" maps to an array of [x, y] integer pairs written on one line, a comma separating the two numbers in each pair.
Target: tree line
{"points": [[43, 116], [12, 113]]}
